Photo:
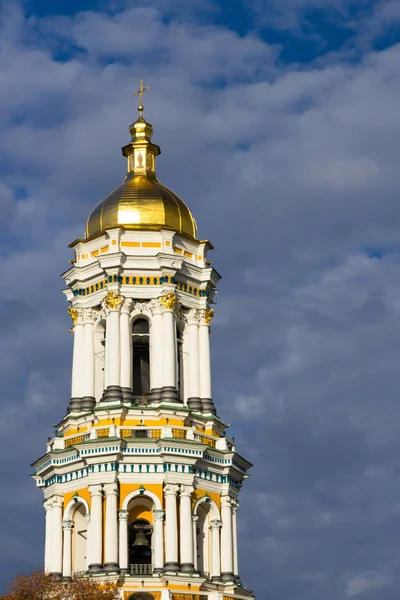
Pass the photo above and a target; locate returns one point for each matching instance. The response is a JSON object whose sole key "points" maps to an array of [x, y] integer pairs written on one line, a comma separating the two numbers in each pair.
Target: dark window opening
{"points": [[141, 357]]}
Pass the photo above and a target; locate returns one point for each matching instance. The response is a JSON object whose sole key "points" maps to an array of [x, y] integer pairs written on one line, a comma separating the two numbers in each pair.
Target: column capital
{"points": [[186, 490], [113, 301], [57, 500], [171, 489], [206, 315], [193, 316], [67, 524], [158, 515], [127, 306], [48, 504], [169, 301], [96, 490], [195, 518], [216, 524], [155, 306], [110, 489], [88, 315], [226, 501], [123, 514]]}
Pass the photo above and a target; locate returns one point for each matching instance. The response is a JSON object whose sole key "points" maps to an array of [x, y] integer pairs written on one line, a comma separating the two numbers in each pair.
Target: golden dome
{"points": [[141, 202]]}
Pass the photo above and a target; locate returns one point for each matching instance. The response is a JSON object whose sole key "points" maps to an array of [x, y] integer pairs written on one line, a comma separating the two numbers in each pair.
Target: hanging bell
{"points": [[141, 540]]}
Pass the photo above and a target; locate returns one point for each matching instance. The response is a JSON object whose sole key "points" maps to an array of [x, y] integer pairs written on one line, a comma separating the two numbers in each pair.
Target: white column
{"points": [[186, 529], [205, 360], [48, 506], [235, 540], [195, 518], [169, 392], [123, 540], [158, 537], [56, 548], [194, 402], [215, 526], [126, 350], [113, 393], [156, 349], [111, 537], [67, 548], [95, 538], [88, 379], [88, 539], [78, 361], [226, 539], [171, 528]]}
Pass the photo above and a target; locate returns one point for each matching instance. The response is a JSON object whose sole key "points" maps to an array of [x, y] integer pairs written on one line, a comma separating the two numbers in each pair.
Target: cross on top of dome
{"points": [[140, 93]]}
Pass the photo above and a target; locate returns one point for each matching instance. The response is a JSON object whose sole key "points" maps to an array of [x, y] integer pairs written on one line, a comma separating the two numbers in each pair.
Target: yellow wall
{"points": [[127, 488], [199, 493], [83, 492]]}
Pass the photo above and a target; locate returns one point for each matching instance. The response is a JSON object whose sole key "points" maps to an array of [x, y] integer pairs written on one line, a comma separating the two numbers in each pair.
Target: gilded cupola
{"points": [[141, 202]]}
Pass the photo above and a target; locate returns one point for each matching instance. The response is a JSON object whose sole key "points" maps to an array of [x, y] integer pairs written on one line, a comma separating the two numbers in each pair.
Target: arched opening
{"points": [[79, 539], [203, 546], [99, 352], [141, 596], [141, 357], [140, 532]]}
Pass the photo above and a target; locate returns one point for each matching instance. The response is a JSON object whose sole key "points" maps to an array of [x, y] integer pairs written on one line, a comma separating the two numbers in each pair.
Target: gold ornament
{"points": [[208, 315], [73, 313], [113, 300], [170, 300]]}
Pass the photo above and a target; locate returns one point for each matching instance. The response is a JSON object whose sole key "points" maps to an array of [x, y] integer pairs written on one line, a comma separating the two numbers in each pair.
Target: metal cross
{"points": [[140, 94]]}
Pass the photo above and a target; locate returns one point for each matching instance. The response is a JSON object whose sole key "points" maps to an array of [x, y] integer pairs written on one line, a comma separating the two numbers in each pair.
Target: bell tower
{"points": [[140, 481]]}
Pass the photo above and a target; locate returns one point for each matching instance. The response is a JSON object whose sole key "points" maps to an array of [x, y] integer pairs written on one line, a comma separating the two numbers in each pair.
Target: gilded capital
{"points": [[169, 300], [113, 300], [208, 315], [73, 313]]}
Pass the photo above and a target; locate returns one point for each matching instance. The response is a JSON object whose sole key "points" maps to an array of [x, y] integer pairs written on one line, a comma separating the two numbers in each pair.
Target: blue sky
{"points": [[279, 126]]}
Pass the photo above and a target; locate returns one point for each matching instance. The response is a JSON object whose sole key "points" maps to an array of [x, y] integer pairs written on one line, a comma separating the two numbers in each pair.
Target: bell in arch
{"points": [[140, 539]]}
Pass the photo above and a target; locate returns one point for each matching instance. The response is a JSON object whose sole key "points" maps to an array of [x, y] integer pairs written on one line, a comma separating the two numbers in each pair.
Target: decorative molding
{"points": [[215, 524], [123, 514], [67, 524]]}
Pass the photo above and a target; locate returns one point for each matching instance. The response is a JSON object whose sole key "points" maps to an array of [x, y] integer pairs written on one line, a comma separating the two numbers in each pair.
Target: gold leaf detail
{"points": [[208, 315], [170, 300], [73, 313], [113, 300]]}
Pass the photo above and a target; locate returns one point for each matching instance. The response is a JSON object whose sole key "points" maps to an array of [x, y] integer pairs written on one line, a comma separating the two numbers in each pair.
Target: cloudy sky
{"points": [[279, 123]]}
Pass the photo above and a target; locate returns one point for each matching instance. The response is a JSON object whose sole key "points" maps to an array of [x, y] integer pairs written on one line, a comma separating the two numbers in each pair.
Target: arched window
{"points": [[141, 357]]}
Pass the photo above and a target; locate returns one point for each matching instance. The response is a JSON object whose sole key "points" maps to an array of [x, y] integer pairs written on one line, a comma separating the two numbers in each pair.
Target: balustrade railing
{"points": [[78, 439], [204, 439], [178, 433], [136, 570], [141, 433], [103, 433]]}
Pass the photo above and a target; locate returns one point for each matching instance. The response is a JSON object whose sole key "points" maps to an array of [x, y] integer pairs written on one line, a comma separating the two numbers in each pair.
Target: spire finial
{"points": [[140, 94]]}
